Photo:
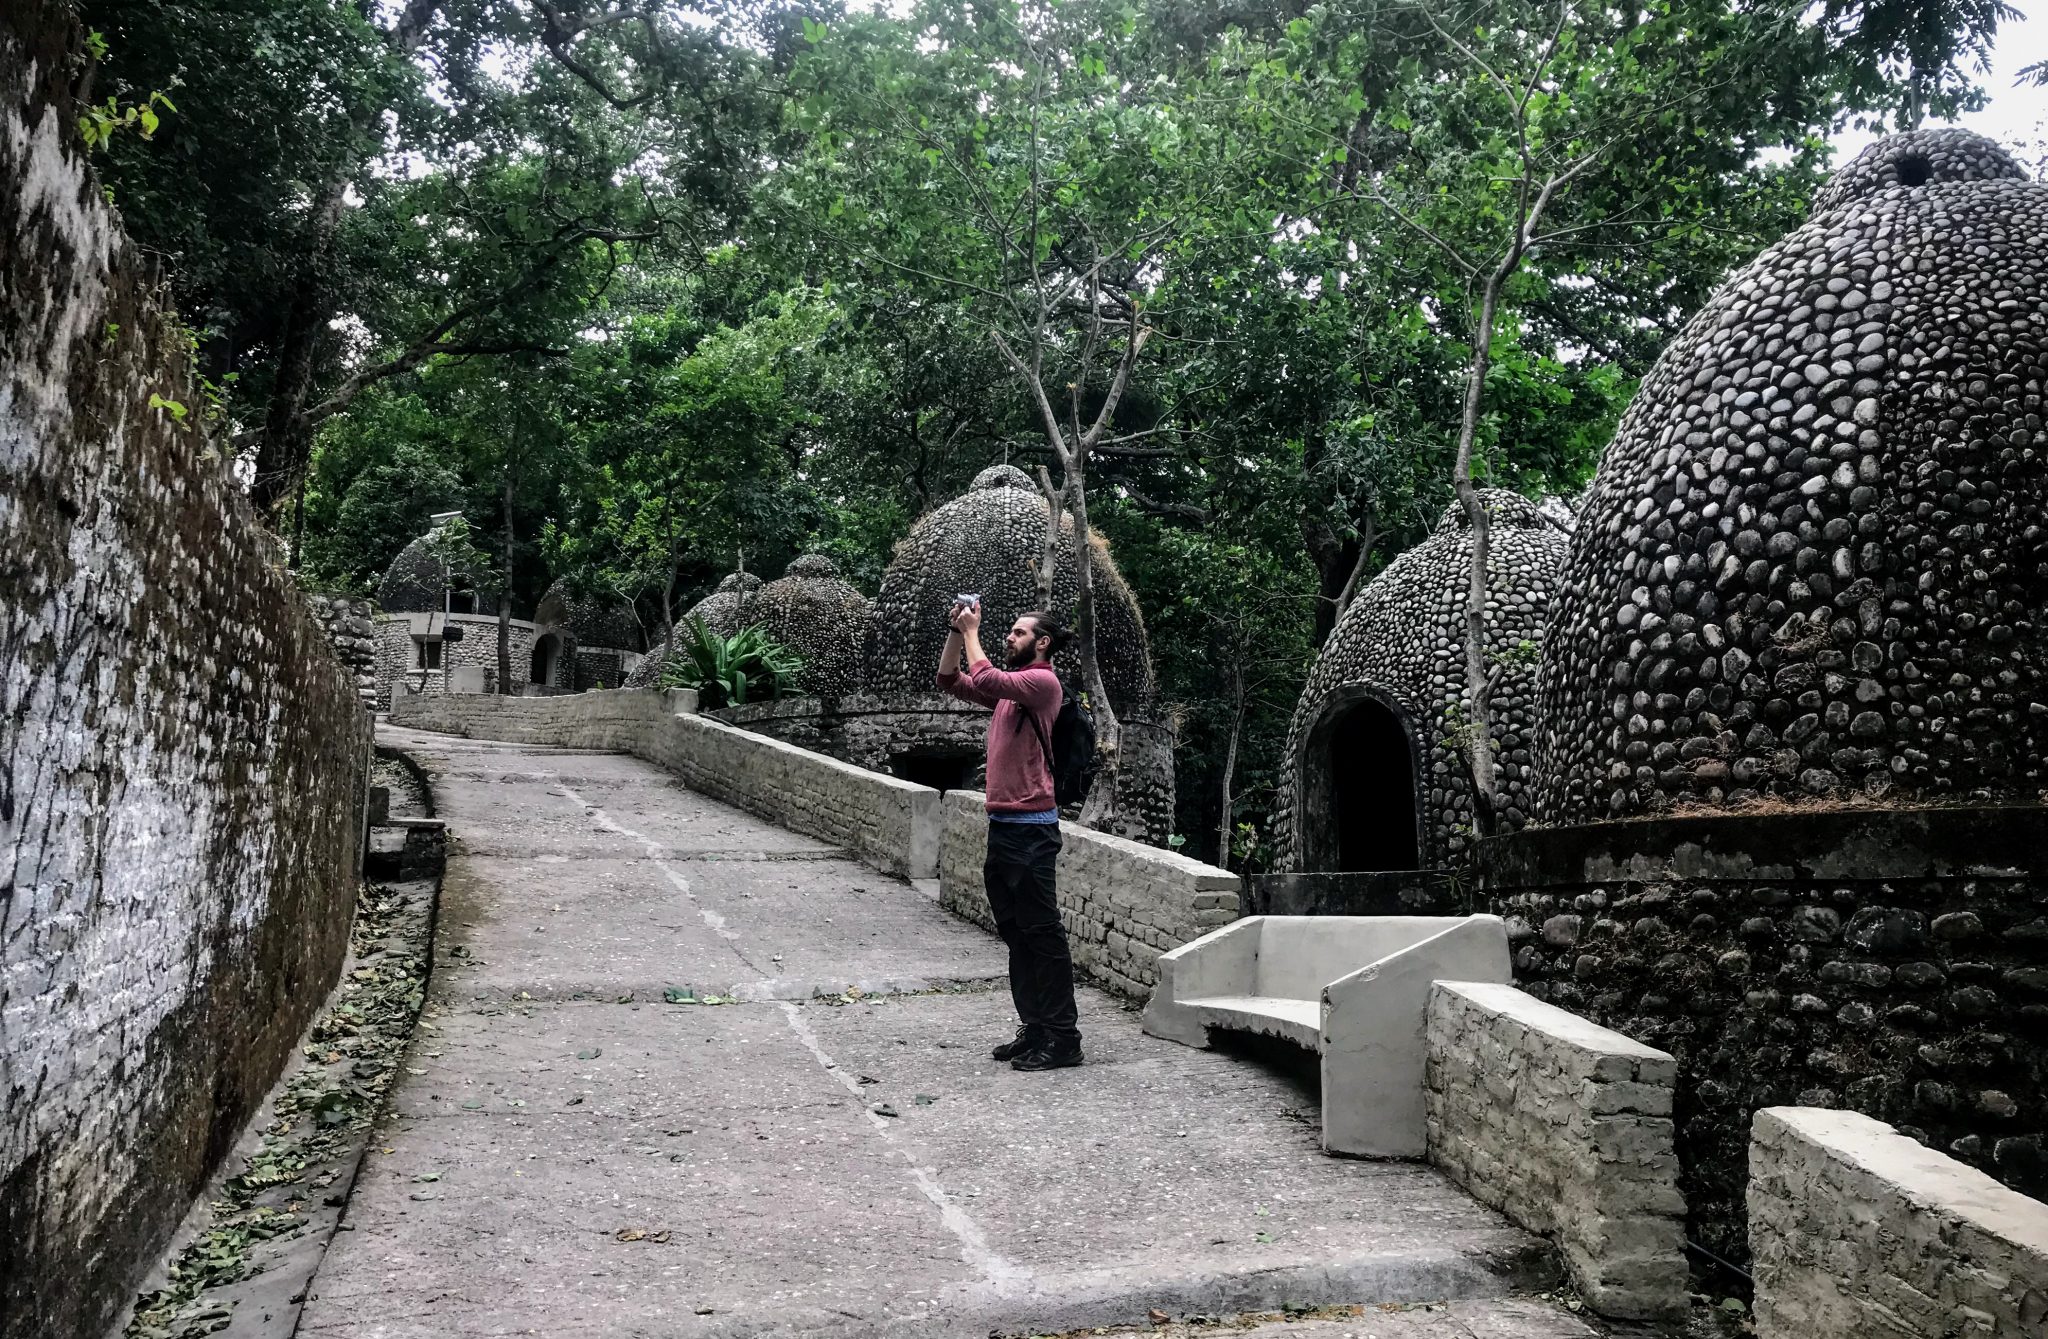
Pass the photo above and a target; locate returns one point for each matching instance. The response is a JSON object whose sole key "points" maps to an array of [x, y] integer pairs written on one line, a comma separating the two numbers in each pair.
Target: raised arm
{"points": [[950, 680]]}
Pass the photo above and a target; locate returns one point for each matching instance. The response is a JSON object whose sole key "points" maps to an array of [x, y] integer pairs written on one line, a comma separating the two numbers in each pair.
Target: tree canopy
{"points": [[655, 291]]}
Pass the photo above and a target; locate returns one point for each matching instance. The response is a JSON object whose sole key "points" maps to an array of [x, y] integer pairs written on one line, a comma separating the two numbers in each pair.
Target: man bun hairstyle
{"points": [[1062, 636]]}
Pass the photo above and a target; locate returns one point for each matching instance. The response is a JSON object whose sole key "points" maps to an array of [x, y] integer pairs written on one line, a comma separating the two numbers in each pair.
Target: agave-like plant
{"points": [[728, 671]]}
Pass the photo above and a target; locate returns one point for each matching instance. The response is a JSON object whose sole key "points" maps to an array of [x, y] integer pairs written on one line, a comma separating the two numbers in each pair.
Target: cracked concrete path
{"points": [[571, 1153]]}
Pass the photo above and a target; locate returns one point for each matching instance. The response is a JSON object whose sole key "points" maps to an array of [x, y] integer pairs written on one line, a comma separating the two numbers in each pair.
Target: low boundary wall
{"points": [[1124, 902], [891, 824], [1565, 1127], [1856, 1230]]}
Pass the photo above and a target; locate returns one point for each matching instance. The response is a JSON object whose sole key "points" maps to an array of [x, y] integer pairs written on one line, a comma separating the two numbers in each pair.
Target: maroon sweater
{"points": [[1019, 773]]}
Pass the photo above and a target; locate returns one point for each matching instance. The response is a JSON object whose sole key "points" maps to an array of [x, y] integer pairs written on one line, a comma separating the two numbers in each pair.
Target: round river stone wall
{"points": [[1813, 562], [819, 617], [987, 542], [1402, 640]]}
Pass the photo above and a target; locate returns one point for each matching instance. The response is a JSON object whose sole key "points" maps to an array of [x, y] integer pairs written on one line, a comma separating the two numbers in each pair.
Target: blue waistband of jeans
{"points": [[1042, 816]]}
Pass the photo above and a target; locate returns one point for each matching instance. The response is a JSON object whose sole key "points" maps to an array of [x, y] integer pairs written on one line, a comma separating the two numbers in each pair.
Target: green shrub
{"points": [[728, 671]]}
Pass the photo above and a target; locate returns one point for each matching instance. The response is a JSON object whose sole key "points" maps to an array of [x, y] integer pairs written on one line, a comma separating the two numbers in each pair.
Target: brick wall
{"points": [[183, 760], [1856, 1230], [1565, 1127], [1124, 903]]}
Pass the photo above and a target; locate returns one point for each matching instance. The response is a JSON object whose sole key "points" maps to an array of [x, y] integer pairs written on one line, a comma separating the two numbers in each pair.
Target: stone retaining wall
{"points": [[1856, 1230], [943, 741], [890, 824], [1565, 1127], [1124, 903], [183, 760], [616, 721], [1894, 962]]}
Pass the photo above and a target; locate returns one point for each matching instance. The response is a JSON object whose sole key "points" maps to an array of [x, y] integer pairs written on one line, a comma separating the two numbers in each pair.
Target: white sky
{"points": [[2015, 117]]}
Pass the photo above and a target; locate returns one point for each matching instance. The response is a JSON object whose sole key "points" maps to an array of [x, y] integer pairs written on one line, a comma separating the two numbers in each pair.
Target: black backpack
{"points": [[1070, 753]]}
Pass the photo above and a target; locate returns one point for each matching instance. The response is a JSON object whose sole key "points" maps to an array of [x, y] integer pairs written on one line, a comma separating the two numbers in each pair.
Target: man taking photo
{"points": [[1023, 825]]}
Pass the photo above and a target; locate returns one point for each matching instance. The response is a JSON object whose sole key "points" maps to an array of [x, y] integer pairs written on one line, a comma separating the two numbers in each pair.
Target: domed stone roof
{"points": [[988, 542], [1401, 643], [821, 618], [724, 612], [417, 580], [1812, 563], [591, 622]]}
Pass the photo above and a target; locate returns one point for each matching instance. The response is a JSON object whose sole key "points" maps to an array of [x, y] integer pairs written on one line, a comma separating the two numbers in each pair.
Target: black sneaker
{"points": [[1025, 1040], [1049, 1055]]}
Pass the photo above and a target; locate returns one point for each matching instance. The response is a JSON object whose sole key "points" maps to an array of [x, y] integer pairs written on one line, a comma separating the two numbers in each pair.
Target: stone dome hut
{"points": [[437, 625], [1371, 778], [1812, 564], [1797, 651], [724, 611], [987, 542], [582, 642], [819, 617], [419, 579]]}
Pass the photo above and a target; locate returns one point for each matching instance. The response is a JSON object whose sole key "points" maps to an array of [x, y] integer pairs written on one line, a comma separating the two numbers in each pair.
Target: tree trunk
{"points": [[1230, 760], [1049, 553], [505, 595], [1478, 716], [1103, 809], [1350, 592], [281, 451]]}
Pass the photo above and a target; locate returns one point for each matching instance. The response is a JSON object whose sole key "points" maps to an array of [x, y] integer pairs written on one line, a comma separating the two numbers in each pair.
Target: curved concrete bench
{"points": [[1354, 989]]}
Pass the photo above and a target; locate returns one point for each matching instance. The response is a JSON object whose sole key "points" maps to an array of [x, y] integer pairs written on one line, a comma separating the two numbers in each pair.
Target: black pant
{"points": [[1019, 874]]}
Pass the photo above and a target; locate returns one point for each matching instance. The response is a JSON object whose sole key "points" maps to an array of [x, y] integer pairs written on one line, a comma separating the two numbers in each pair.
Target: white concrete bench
{"points": [[1354, 989]]}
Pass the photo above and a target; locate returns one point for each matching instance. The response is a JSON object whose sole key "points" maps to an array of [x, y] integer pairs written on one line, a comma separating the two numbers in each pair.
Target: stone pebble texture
{"points": [[183, 760], [1890, 962], [1402, 641], [1565, 1128], [590, 636], [724, 612], [417, 582], [1860, 1231], [590, 621], [987, 542], [351, 626], [398, 668], [810, 610], [1813, 563]]}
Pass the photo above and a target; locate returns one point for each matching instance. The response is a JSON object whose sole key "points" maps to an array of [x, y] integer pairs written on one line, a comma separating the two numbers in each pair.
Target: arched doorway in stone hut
{"points": [[547, 658], [1359, 786]]}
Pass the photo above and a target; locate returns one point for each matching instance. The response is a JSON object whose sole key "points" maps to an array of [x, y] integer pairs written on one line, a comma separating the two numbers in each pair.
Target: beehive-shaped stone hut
{"points": [[819, 617], [1798, 648], [437, 624], [1373, 777], [988, 542], [1813, 563], [724, 612], [419, 580], [582, 642]]}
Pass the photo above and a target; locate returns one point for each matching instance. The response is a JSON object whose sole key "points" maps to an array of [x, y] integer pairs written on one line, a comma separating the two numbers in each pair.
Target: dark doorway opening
{"points": [[545, 652], [1372, 789], [939, 771]]}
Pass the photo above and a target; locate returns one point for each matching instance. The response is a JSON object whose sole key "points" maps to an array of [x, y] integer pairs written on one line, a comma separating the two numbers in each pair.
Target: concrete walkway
{"points": [[577, 1149]]}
